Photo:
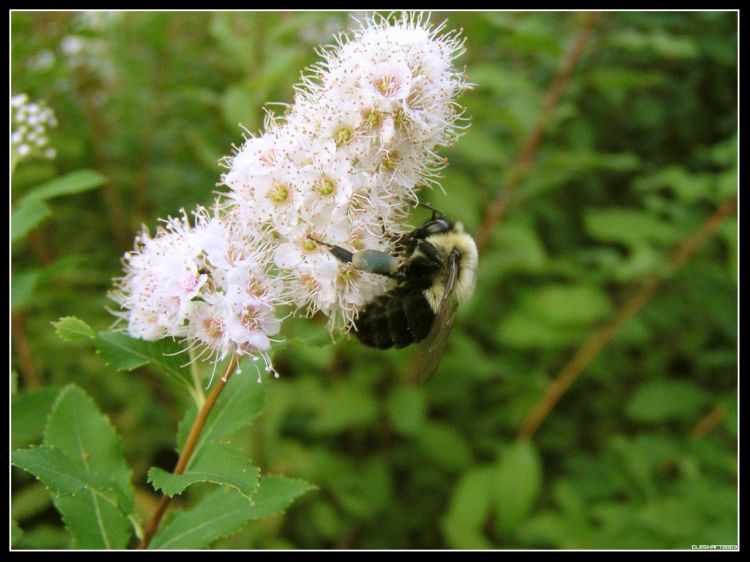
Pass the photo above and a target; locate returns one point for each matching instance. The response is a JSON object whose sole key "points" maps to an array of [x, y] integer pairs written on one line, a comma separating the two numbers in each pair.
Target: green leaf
{"points": [[28, 215], [94, 520], [276, 494], [77, 427], [218, 464], [73, 182], [237, 406], [28, 411], [568, 304], [125, 354], [518, 480], [71, 328], [22, 287], [53, 468], [631, 227], [469, 508], [225, 511], [663, 400], [81, 462]]}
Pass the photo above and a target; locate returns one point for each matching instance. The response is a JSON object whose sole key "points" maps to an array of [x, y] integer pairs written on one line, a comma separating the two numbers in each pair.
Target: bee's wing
{"points": [[434, 345]]}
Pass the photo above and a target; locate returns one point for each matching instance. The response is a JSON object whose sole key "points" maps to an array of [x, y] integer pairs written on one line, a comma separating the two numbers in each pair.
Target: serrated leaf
{"points": [[94, 521], [276, 494], [71, 328], [124, 353], [225, 511], [28, 215], [28, 413], [237, 406], [53, 468], [73, 182], [81, 462], [77, 427], [518, 480], [218, 464]]}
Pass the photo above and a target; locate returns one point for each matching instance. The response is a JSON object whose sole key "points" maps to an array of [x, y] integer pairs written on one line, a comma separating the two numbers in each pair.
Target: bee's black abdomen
{"points": [[397, 318], [419, 315]]}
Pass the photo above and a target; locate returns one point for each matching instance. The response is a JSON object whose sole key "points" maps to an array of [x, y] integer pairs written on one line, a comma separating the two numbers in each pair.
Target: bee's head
{"points": [[438, 226]]}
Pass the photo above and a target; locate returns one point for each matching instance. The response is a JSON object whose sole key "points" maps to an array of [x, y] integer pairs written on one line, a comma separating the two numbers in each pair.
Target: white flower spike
{"points": [[343, 167], [346, 163]]}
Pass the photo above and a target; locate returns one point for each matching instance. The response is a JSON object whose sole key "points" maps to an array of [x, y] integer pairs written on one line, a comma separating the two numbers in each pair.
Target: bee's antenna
{"points": [[435, 212], [320, 241], [339, 252]]}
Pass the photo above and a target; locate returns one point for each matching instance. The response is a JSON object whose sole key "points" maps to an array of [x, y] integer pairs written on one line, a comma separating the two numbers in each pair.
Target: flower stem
{"points": [[187, 450], [198, 394]]}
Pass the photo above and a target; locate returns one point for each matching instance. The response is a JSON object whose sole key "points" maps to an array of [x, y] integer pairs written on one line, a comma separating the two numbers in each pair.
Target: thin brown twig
{"points": [[187, 450], [38, 243], [27, 367], [523, 162], [708, 422], [705, 425], [601, 337]]}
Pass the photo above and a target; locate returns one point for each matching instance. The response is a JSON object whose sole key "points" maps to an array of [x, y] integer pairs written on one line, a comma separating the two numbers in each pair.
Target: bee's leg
{"points": [[372, 261], [430, 252]]}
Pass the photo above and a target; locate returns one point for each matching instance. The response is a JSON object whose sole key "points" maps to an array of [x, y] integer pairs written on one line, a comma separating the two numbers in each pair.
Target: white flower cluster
{"points": [[208, 283], [342, 167], [345, 163], [29, 124]]}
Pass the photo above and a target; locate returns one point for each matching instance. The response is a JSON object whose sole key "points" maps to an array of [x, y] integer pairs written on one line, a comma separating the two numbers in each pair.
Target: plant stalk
{"points": [[187, 450]]}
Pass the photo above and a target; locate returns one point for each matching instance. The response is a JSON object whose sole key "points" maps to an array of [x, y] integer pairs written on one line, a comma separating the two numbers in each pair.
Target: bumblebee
{"points": [[434, 271]]}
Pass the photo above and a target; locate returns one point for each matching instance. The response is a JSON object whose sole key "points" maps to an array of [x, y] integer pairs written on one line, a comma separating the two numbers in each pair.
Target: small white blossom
{"points": [[29, 124]]}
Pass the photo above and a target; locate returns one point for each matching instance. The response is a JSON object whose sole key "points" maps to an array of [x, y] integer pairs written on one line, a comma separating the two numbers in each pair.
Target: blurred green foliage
{"points": [[640, 151]]}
